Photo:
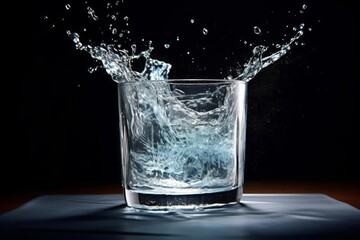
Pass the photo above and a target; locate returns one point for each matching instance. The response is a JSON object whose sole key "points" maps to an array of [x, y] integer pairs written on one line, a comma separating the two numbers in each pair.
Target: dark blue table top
{"points": [[257, 216]]}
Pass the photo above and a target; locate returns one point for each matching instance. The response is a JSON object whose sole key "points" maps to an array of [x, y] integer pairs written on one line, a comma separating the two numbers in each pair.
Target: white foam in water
{"points": [[184, 158]]}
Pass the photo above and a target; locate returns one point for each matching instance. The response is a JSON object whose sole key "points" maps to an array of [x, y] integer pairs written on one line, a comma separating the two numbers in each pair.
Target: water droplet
{"points": [[257, 30], [67, 6], [302, 25], [46, 18], [113, 17], [114, 31], [92, 14], [117, 3], [133, 49], [166, 46], [205, 31], [294, 29], [126, 18], [121, 35], [192, 20], [298, 34], [84, 29], [53, 26], [245, 42], [177, 38], [128, 32], [92, 69], [304, 6], [188, 53], [310, 29]]}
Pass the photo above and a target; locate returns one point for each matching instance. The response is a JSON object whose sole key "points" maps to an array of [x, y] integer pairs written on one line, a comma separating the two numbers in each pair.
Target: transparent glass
{"points": [[182, 142]]}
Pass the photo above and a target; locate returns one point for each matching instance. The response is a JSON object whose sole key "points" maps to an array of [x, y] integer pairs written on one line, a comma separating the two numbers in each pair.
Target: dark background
{"points": [[302, 110]]}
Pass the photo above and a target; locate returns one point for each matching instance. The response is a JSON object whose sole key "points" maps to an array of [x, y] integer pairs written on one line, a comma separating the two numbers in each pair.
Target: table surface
{"points": [[348, 192], [257, 216]]}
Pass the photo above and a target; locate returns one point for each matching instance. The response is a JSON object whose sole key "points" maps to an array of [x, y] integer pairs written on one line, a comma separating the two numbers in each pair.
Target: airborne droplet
{"points": [[92, 14], [257, 30]]}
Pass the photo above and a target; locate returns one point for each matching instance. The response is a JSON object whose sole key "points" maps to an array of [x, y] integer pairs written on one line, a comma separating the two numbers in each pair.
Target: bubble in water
{"points": [[84, 29], [46, 18], [188, 53], [304, 6], [113, 17], [177, 38], [257, 30], [302, 26], [278, 46], [205, 31], [67, 6], [121, 35], [245, 42], [294, 29], [192, 20], [126, 18], [114, 31], [309, 29], [167, 46]]}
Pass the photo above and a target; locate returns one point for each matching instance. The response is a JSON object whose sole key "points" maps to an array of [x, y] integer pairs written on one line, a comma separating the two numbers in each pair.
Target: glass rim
{"points": [[192, 81]]}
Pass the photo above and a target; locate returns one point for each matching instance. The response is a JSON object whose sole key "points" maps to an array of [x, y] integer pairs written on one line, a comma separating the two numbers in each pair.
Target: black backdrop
{"points": [[302, 114]]}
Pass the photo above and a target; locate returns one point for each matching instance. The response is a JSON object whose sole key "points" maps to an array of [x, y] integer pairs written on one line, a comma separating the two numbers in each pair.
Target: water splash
{"points": [[183, 136], [117, 61]]}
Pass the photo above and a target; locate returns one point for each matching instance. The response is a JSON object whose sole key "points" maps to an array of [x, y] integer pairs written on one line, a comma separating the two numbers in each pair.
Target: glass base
{"points": [[148, 201]]}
